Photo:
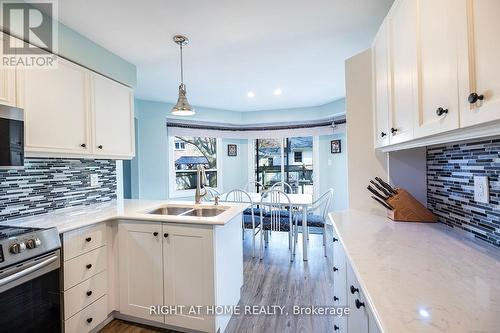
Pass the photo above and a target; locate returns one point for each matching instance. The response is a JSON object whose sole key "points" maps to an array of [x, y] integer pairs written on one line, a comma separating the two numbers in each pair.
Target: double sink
{"points": [[188, 211]]}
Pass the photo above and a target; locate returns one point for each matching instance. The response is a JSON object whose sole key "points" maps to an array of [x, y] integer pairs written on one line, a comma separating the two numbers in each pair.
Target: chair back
{"points": [[283, 186], [278, 205], [238, 195], [322, 204], [254, 185]]}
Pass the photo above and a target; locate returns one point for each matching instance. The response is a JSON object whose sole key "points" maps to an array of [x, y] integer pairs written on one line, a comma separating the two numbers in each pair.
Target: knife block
{"points": [[408, 209]]}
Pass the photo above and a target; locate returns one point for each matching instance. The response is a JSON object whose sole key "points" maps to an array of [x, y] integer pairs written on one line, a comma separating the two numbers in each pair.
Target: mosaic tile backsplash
{"points": [[46, 184], [450, 186]]}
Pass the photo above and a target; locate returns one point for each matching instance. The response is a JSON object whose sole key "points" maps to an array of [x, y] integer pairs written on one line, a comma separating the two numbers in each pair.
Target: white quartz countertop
{"points": [[76, 217], [421, 277]]}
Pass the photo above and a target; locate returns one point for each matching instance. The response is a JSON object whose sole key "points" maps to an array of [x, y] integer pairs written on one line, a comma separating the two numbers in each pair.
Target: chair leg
{"points": [[253, 242], [295, 237], [307, 232], [261, 254], [324, 241]]}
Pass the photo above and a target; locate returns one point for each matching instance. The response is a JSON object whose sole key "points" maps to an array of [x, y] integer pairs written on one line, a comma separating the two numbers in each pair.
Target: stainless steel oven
{"points": [[30, 290]]}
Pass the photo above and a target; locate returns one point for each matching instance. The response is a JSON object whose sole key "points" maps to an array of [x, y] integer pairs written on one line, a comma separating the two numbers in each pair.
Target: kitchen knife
{"points": [[386, 205], [371, 189], [386, 185], [381, 189]]}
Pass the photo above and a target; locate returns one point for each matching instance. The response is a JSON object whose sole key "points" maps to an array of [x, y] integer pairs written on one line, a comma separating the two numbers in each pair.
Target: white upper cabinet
{"points": [[381, 86], [7, 79], [56, 109], [437, 35], [402, 25], [113, 117], [480, 64]]}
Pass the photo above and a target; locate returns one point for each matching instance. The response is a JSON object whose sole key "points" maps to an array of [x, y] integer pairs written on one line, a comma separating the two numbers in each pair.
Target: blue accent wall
{"points": [[149, 177], [333, 170]]}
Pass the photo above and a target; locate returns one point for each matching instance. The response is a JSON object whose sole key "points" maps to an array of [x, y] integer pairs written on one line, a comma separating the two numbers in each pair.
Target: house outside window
{"points": [[297, 157], [180, 145], [186, 154], [285, 159]]}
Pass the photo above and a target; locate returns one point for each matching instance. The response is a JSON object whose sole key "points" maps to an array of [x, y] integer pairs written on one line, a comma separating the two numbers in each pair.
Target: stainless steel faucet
{"points": [[201, 179]]}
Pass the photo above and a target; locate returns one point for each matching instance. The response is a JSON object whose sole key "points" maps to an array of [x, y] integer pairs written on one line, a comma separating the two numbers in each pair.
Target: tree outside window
{"points": [[197, 151]]}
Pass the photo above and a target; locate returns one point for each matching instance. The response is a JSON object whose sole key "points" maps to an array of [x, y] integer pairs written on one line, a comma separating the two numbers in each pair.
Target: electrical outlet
{"points": [[481, 189], [94, 179]]}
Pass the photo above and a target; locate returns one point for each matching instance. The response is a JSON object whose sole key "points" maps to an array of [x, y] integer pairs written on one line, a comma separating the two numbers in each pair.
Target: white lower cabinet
{"points": [[348, 292], [174, 265], [339, 284], [140, 268], [85, 278], [88, 319], [358, 320], [188, 273]]}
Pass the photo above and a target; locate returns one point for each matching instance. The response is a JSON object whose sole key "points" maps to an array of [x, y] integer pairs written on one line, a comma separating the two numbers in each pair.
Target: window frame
{"points": [[172, 188]]}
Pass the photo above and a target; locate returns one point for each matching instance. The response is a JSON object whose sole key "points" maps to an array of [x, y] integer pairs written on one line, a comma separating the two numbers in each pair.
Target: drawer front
{"points": [[87, 319], [80, 241], [83, 267], [85, 293]]}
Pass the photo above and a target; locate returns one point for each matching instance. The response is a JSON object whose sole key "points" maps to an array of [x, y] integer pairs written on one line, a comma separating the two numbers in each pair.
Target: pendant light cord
{"points": [[182, 71]]}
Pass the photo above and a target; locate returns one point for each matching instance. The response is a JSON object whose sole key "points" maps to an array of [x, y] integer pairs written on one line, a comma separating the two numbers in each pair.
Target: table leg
{"points": [[304, 233]]}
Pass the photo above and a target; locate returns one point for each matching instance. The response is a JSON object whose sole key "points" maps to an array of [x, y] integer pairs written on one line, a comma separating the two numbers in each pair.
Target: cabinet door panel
{"points": [[403, 58], [140, 267], [437, 70], [483, 59], [358, 319], [7, 78], [113, 118], [56, 108], [381, 87], [188, 273], [339, 284]]}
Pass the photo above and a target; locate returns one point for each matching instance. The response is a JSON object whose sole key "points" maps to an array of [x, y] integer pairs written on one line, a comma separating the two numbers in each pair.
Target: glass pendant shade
{"points": [[182, 108]]}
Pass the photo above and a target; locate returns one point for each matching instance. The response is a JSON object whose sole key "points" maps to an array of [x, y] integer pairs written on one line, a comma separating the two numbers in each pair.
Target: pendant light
{"points": [[182, 108]]}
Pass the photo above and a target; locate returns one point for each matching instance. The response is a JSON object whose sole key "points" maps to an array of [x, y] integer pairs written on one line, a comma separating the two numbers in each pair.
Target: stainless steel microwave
{"points": [[11, 138]]}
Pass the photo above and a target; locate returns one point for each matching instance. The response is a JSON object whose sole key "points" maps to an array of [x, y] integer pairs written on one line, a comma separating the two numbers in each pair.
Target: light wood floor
{"points": [[275, 281]]}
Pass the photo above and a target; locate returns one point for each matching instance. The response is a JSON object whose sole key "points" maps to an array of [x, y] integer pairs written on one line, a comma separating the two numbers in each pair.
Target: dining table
{"points": [[301, 201]]}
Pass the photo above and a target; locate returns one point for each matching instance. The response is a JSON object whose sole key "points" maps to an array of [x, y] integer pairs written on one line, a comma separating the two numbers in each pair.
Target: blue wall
{"points": [[150, 174], [82, 50], [333, 170], [256, 117], [76, 47]]}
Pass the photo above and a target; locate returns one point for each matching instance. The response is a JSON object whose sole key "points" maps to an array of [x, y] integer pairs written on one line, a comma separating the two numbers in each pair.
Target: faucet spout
{"points": [[201, 179]]}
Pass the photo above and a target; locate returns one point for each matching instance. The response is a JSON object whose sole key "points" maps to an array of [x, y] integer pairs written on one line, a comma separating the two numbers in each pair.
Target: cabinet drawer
{"points": [[80, 241], [85, 293], [88, 318], [83, 267]]}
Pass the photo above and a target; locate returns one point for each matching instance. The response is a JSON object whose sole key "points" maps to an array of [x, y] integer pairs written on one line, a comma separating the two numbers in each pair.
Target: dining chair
{"points": [[243, 196], [316, 217], [284, 186], [278, 208]]}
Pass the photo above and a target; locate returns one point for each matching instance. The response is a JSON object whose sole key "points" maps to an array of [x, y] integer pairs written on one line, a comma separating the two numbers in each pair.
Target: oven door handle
{"points": [[28, 270]]}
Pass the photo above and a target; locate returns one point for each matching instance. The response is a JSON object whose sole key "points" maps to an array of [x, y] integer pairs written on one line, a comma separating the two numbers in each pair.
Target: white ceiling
{"points": [[236, 46]]}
